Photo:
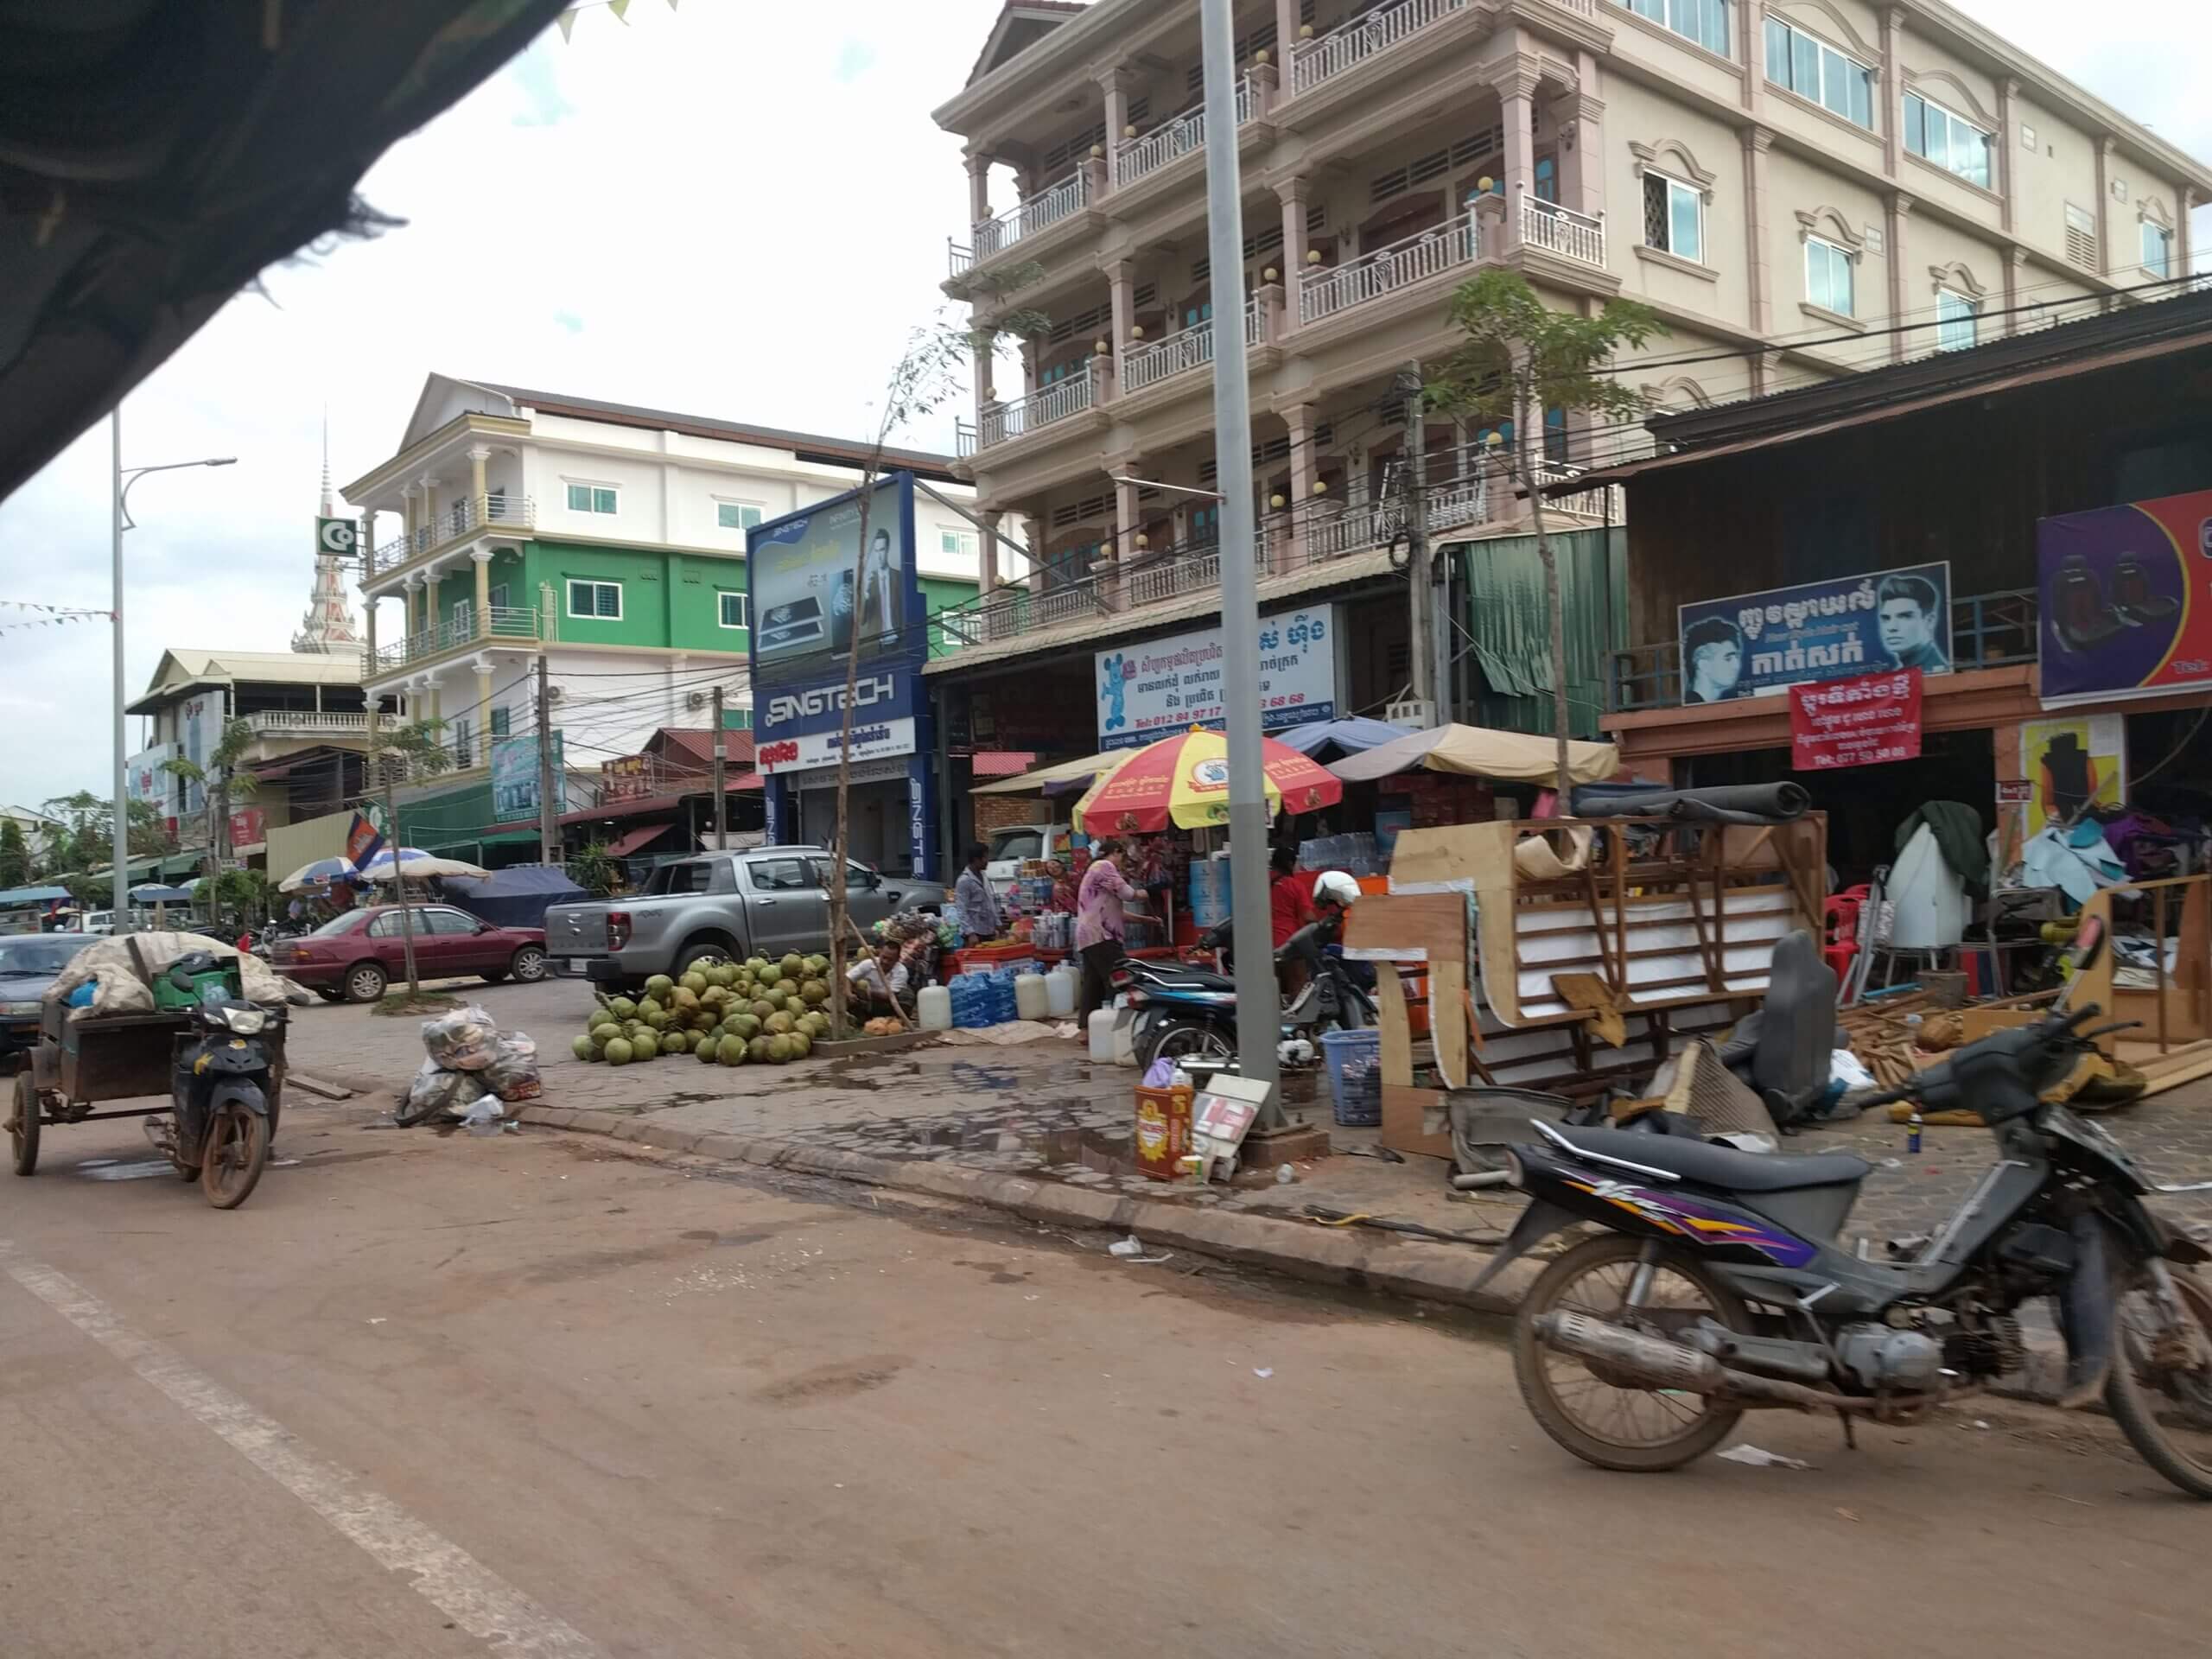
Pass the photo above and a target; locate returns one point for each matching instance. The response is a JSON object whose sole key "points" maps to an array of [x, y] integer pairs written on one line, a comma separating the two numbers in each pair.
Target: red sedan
{"points": [[354, 956]]}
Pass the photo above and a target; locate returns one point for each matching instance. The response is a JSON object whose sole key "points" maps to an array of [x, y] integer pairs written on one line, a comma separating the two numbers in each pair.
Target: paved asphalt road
{"points": [[431, 1396]]}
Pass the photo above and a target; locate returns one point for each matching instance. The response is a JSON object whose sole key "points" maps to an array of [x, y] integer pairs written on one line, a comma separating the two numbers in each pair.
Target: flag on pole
{"points": [[568, 21], [363, 842]]}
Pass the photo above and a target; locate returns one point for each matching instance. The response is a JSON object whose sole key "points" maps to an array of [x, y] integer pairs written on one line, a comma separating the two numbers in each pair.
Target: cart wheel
{"points": [[236, 1152], [22, 1123]]}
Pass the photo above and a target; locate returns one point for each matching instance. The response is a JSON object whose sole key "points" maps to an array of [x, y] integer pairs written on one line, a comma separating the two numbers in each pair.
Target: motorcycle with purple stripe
{"points": [[1719, 1284]]}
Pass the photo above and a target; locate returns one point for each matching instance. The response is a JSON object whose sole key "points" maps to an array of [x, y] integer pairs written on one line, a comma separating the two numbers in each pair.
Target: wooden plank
{"points": [[1397, 1050], [1406, 1119]]}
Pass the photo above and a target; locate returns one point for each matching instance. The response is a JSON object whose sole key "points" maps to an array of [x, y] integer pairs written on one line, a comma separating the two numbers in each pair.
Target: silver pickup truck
{"points": [[766, 902]]}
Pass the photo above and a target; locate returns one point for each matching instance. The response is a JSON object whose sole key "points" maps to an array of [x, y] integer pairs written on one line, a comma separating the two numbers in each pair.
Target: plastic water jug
{"points": [[1060, 988], [1101, 1036], [935, 1005], [1003, 1006], [1032, 999]]}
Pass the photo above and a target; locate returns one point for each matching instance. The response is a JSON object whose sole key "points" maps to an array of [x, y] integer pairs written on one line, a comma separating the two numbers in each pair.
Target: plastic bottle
{"points": [[935, 1005], [1003, 1006], [1101, 1032], [1912, 1132], [1060, 988], [1032, 999]]}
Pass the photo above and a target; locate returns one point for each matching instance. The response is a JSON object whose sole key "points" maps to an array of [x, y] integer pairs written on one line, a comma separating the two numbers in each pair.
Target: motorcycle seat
{"points": [[1723, 1167]]}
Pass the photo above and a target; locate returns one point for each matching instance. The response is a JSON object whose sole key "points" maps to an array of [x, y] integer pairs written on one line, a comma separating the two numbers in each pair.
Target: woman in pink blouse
{"points": [[1098, 927]]}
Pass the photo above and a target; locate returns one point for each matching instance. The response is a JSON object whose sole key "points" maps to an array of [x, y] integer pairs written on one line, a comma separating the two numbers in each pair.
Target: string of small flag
{"points": [[49, 616], [567, 20]]}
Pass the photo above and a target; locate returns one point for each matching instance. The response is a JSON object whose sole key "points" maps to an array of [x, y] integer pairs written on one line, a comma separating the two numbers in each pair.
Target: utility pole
{"points": [[548, 813], [1258, 1003], [121, 917], [1421, 600], [721, 763], [399, 877]]}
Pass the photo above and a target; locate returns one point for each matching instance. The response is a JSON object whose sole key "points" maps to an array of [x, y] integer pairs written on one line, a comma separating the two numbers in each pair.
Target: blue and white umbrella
{"points": [[330, 872], [417, 866]]}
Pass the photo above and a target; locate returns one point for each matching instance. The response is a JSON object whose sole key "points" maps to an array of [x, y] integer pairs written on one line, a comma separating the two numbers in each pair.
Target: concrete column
{"points": [[430, 488], [2106, 263], [1119, 290], [1265, 81], [481, 740], [986, 368], [1272, 297], [1128, 520], [1517, 99], [1582, 146], [1893, 90], [1287, 35], [979, 188], [1893, 250], [1115, 83], [987, 552], [2183, 252], [409, 520], [1304, 469], [1759, 253], [1293, 193], [478, 492], [2014, 262], [1750, 52], [2008, 143], [482, 558], [414, 606]]}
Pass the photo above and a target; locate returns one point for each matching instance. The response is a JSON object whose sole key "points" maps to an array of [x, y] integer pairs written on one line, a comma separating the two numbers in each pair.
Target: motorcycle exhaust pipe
{"points": [[1656, 1363]]}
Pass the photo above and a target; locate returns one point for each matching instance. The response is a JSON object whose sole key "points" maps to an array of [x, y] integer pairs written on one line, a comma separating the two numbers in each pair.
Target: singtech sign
{"points": [[812, 597]]}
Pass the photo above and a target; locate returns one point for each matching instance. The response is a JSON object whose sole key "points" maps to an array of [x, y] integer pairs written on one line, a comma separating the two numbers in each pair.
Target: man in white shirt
{"points": [[880, 982]]}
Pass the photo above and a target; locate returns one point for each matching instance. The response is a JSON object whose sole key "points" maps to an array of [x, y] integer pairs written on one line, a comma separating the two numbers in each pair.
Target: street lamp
{"points": [[123, 480]]}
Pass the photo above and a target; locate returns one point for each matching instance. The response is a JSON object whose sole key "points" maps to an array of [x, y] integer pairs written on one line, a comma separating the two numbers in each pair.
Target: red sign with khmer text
{"points": [[1861, 723]]}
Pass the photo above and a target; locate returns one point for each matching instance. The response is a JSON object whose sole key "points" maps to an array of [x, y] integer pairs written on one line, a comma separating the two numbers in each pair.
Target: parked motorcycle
{"points": [[1189, 1013], [1720, 1285], [219, 1131]]}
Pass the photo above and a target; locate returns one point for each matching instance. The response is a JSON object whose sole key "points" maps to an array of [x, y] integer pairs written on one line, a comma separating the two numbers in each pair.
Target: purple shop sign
{"points": [[2127, 599]]}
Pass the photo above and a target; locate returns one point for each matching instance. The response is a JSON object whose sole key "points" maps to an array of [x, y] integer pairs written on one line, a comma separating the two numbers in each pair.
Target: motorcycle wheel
{"points": [[1635, 1430], [1190, 1040], [2160, 1390], [236, 1152]]}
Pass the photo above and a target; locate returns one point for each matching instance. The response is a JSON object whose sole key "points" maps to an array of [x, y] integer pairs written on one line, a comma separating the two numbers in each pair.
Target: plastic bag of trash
{"points": [[435, 1091], [465, 1040], [484, 1117], [512, 1074]]}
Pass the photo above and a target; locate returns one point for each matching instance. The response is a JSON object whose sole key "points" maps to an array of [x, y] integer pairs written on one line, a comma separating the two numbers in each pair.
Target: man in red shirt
{"points": [[1290, 895]]}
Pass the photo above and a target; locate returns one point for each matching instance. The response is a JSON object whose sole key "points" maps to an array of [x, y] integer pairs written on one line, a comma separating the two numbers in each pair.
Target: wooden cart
{"points": [[83, 1063]]}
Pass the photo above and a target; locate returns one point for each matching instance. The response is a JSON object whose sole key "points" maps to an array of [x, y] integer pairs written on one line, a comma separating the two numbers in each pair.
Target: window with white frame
{"points": [[2157, 249], [1704, 22], [1829, 277], [736, 515], [464, 751], [592, 498], [1674, 216], [1958, 321], [957, 543], [736, 609], [1810, 67], [464, 617], [1949, 140], [602, 599]]}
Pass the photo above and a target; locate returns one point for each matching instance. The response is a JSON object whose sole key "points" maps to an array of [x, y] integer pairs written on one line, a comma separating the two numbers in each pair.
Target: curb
{"points": [[1400, 1266]]}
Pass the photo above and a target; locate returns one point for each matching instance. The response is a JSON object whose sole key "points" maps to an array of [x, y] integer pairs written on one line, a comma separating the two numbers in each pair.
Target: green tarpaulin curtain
{"points": [[1512, 630]]}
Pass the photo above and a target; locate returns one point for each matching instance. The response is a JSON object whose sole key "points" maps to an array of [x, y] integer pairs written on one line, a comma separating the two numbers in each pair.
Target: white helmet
{"points": [[1335, 888]]}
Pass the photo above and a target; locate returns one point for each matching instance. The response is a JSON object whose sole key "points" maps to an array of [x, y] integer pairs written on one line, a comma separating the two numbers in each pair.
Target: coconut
{"points": [[793, 965], [758, 1047], [620, 1052], [645, 1048], [813, 991], [780, 1022], [623, 1008], [676, 1042], [802, 1045], [659, 986], [583, 1048]]}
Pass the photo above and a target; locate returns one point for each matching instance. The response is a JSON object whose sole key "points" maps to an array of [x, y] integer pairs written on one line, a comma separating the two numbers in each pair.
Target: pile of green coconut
{"points": [[734, 1014]]}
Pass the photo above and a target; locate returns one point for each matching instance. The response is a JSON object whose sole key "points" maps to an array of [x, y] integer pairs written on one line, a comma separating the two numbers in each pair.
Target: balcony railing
{"points": [[1187, 349], [470, 515], [500, 622], [1987, 631], [1190, 570], [1136, 157], [1055, 202], [1562, 230], [307, 722], [1006, 422], [1370, 276], [1012, 612], [1363, 38], [1605, 501]]}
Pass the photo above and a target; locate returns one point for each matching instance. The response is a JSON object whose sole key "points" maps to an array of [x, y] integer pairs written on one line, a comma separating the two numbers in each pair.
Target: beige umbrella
{"points": [[1478, 752]]}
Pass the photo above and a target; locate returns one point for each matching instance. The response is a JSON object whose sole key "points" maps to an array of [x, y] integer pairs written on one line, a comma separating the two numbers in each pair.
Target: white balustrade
{"points": [[1040, 409], [1370, 276], [1136, 157], [1363, 38], [1562, 230], [1047, 207]]}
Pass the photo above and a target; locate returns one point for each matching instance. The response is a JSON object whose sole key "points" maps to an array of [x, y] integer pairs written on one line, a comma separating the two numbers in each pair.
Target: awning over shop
{"points": [[16, 896], [1001, 763], [1076, 772], [1331, 739], [1478, 752], [634, 841]]}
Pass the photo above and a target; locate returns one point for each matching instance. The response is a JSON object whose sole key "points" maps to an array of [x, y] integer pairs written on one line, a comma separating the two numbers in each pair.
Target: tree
{"points": [[1519, 359], [218, 780], [926, 376], [15, 856], [241, 894], [413, 751], [82, 839]]}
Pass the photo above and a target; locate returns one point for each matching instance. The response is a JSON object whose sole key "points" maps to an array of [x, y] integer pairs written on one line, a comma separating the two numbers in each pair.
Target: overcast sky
{"points": [[732, 209]]}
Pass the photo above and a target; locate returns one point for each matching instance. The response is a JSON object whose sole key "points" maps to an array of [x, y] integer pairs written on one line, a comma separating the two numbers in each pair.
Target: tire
{"points": [[236, 1153], [2160, 1413], [366, 982], [707, 951], [1562, 1417], [528, 966], [23, 1124], [330, 993], [1180, 1039]]}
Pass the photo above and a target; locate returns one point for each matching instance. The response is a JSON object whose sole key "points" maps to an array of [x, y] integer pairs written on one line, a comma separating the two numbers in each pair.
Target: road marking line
{"points": [[456, 1583]]}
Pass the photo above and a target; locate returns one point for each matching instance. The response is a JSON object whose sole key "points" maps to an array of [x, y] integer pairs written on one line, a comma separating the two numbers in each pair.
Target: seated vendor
{"points": [[878, 982]]}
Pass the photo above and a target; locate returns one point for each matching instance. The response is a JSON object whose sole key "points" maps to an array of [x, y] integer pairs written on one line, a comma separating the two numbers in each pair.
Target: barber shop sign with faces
{"points": [[1757, 643]]}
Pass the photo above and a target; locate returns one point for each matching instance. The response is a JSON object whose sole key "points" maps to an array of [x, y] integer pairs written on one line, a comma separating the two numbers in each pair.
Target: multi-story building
{"points": [[1798, 188], [607, 539]]}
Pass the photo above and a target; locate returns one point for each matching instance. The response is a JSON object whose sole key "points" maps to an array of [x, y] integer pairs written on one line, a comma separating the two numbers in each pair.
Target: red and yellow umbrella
{"points": [[1183, 780]]}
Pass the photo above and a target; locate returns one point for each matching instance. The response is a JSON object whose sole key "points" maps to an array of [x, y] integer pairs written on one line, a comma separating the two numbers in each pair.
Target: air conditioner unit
{"points": [[695, 700], [1418, 713], [555, 693]]}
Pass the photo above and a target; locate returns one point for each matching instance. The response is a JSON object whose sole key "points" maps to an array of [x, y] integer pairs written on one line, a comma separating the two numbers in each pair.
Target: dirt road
{"points": [[459, 1397]]}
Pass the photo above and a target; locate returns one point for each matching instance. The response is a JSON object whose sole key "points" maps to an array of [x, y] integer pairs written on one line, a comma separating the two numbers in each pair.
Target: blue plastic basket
{"points": [[1355, 1060]]}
